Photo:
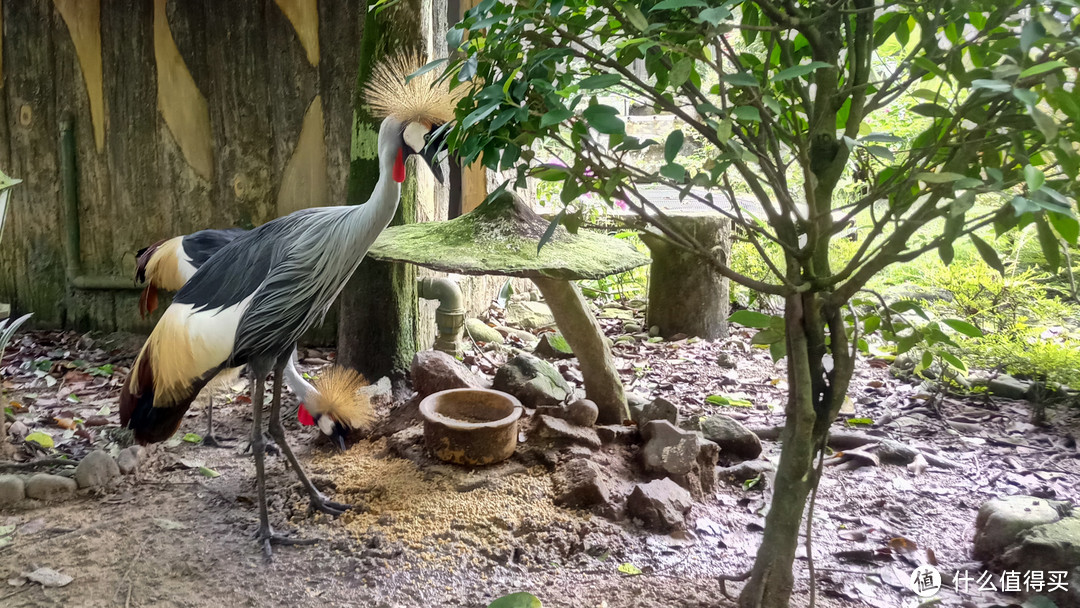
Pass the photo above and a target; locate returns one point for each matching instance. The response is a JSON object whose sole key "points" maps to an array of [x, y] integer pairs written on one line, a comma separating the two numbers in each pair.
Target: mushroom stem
{"points": [[584, 335]]}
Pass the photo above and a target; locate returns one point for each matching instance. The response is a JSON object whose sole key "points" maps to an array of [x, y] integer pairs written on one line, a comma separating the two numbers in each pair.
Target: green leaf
{"points": [[600, 81], [550, 173], [909, 305], [680, 72], [767, 336], [749, 113], [871, 324], [673, 144], [673, 171], [634, 15], [1042, 68], [963, 327], [629, 569], [881, 152], [604, 119], [1066, 226], [554, 117], [777, 350], [427, 68], [798, 71], [1050, 247], [1030, 33], [749, 318], [883, 138], [954, 361], [550, 232], [1044, 122], [998, 86], [938, 178], [724, 400], [988, 254], [516, 600], [192, 437], [740, 79], [925, 361], [208, 472], [45, 440], [931, 110], [1034, 177], [669, 5], [715, 15]]}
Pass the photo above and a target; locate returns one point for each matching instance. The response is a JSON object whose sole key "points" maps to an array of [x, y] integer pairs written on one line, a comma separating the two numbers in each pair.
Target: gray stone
{"points": [[520, 334], [685, 456], [560, 432], [1051, 547], [582, 412], [380, 394], [660, 505], [553, 346], [738, 473], [50, 487], [18, 429], [529, 315], [618, 433], [726, 361], [533, 381], [636, 402], [654, 331], [732, 437], [433, 371], [129, 459], [1008, 387], [1001, 522], [631, 328], [658, 409], [482, 332], [96, 469], [12, 489], [580, 484]]}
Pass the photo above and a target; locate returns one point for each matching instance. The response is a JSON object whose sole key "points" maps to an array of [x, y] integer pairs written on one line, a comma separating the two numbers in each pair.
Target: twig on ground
{"points": [[34, 464]]}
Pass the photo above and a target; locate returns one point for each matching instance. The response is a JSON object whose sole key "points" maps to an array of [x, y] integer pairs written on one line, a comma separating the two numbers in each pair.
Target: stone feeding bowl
{"points": [[471, 426]]}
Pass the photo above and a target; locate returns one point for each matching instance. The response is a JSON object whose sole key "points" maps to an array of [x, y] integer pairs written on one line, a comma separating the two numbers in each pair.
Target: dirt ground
{"points": [[435, 535]]}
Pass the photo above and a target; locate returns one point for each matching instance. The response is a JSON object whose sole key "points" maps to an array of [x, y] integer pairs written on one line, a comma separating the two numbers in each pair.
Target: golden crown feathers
{"points": [[422, 98]]}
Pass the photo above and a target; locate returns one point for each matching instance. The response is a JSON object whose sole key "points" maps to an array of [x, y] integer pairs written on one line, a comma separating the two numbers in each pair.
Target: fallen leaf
{"points": [[193, 438], [45, 440], [930, 557], [208, 472], [853, 535], [918, 466], [629, 569], [903, 545], [516, 600], [17, 581], [47, 577], [847, 408], [65, 423], [168, 524]]}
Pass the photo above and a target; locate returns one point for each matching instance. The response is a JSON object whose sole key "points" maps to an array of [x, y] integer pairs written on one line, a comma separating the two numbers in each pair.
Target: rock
{"points": [[47, 577], [654, 331], [582, 412], [433, 371], [1008, 387], [129, 459], [43, 486], [553, 346], [636, 402], [1001, 522], [685, 456], [631, 328], [732, 437], [533, 381], [560, 432], [738, 473], [18, 429], [380, 394], [726, 361], [580, 484], [529, 315], [618, 433], [12, 489], [96, 469], [482, 332], [520, 334], [1051, 547], [661, 505], [658, 409]]}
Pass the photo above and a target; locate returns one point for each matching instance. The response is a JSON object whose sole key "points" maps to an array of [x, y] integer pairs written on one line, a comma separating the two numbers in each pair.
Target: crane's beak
{"points": [[436, 144]]}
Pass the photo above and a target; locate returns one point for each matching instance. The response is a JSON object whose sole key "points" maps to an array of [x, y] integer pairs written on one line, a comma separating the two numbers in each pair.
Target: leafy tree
{"points": [[782, 92]]}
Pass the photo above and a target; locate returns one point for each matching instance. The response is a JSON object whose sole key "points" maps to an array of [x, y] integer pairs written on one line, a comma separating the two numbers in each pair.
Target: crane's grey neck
{"points": [[300, 387]]}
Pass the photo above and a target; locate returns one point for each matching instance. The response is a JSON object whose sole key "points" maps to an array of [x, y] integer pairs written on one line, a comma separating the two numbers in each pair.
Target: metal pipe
{"points": [[449, 316], [69, 189]]}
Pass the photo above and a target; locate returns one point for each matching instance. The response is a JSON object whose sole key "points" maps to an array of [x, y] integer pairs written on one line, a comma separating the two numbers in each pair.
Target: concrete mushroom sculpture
{"points": [[500, 237]]}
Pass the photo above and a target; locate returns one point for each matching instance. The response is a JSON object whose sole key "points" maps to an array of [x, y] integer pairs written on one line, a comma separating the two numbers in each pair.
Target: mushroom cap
{"points": [[500, 237]]}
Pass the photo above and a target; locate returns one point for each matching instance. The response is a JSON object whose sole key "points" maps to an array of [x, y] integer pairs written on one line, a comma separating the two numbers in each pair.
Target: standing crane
{"points": [[251, 302]]}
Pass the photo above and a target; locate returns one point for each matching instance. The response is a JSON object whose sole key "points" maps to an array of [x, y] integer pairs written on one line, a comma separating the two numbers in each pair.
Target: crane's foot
{"points": [[271, 448], [211, 441], [268, 538], [323, 505]]}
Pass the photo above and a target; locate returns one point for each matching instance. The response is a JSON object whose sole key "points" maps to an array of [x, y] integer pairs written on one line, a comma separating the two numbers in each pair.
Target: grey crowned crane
{"points": [[251, 302], [169, 264]]}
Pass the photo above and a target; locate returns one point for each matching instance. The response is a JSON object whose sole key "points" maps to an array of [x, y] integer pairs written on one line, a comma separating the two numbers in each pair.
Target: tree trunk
{"points": [[771, 580], [585, 337], [685, 295], [377, 332]]}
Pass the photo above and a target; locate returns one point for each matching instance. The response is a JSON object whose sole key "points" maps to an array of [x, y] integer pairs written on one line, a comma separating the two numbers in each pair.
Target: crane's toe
{"points": [[211, 441], [268, 538], [321, 504]]}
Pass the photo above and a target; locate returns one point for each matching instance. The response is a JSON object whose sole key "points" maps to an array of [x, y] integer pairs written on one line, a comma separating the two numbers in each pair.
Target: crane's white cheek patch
{"points": [[414, 136], [326, 425]]}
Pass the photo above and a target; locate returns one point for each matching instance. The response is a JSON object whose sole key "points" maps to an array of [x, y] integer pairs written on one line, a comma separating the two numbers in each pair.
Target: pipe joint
{"points": [[449, 316]]}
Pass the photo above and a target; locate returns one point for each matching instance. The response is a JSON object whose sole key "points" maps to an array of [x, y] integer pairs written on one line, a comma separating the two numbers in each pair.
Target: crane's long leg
{"points": [[277, 431], [209, 439], [258, 448]]}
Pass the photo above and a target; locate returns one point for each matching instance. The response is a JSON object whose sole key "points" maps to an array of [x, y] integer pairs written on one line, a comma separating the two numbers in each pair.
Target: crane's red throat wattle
{"points": [[304, 416], [399, 167]]}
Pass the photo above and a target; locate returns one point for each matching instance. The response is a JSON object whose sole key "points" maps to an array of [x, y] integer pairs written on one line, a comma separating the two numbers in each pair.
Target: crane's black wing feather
{"points": [[201, 245]]}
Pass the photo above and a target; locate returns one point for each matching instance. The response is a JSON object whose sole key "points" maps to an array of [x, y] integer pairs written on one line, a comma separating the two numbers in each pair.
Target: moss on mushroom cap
{"points": [[500, 237]]}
